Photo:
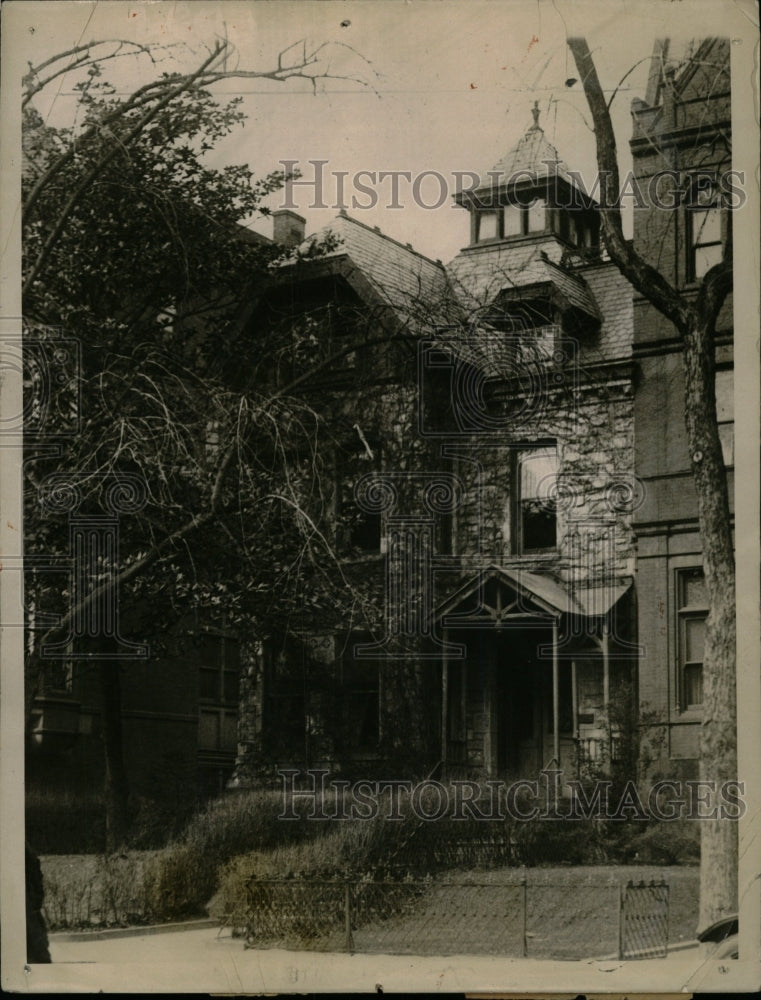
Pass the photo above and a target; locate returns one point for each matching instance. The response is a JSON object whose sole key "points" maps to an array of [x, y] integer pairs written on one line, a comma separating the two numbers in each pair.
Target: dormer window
{"points": [[513, 220], [488, 226]]}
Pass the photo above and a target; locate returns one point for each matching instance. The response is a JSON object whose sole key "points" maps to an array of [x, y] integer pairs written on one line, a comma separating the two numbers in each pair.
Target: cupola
{"points": [[531, 194]]}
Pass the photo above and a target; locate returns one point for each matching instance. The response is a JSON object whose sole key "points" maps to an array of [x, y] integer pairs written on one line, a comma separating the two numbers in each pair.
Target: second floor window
{"points": [[692, 611], [357, 528], [706, 245], [725, 413], [707, 224], [536, 515]]}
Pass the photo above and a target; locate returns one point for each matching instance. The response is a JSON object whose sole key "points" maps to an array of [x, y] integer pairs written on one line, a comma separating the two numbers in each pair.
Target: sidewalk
{"points": [[211, 961]]}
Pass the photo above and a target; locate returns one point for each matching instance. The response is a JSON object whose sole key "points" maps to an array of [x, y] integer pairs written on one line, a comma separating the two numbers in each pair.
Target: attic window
{"points": [[513, 220]]}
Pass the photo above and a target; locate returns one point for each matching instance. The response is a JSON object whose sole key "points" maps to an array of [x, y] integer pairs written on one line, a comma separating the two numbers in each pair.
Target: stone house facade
{"points": [[501, 484]]}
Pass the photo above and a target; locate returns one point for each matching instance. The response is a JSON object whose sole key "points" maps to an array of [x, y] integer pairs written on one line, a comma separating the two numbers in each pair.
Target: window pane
{"points": [[694, 634], [208, 686], [694, 590], [706, 258], [512, 220], [706, 226], [231, 685], [536, 216], [229, 739], [538, 525], [538, 471], [693, 684], [725, 402], [487, 226], [208, 731], [727, 438]]}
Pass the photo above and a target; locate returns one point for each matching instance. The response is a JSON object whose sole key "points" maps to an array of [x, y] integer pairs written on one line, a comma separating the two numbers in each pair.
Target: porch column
{"points": [[444, 695], [574, 700], [575, 711], [555, 706], [605, 670]]}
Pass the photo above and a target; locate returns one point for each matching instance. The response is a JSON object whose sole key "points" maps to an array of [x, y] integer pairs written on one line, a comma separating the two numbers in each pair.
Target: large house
{"points": [[506, 491]]}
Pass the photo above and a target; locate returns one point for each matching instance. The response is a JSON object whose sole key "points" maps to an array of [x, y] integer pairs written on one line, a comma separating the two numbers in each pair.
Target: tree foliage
{"points": [[137, 249]]}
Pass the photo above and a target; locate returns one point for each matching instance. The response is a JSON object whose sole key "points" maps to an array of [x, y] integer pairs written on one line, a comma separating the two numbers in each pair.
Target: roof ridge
{"points": [[343, 214]]}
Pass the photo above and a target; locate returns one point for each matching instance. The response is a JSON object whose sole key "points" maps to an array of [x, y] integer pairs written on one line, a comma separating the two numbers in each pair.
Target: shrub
{"points": [[104, 891], [182, 878], [61, 821], [674, 843]]}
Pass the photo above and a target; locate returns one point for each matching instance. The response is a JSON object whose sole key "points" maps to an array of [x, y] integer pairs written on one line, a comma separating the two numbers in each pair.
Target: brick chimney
{"points": [[288, 227]]}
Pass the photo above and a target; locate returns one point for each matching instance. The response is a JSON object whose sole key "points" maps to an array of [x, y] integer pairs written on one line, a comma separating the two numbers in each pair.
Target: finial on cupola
{"points": [[535, 113]]}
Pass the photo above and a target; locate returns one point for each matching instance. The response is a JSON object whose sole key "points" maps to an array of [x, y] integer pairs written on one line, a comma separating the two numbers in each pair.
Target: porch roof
{"points": [[545, 592]]}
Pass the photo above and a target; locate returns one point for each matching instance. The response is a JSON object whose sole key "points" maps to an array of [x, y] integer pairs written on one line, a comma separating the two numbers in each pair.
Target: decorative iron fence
{"points": [[644, 920], [437, 917]]}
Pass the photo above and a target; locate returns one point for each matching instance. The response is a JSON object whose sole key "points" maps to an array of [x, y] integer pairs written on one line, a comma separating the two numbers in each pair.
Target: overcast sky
{"points": [[449, 86]]}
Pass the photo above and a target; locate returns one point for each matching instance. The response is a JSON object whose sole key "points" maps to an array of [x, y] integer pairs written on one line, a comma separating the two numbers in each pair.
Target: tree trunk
{"points": [[696, 323], [718, 749], [116, 786]]}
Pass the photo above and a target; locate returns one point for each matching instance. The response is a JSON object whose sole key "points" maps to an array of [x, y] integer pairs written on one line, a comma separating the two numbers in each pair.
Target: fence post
{"points": [[621, 898], [347, 917], [525, 918]]}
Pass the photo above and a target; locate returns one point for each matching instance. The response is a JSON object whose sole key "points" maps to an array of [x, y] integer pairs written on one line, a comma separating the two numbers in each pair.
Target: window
{"points": [[361, 698], [284, 718], [357, 528], [692, 605], [705, 240], [725, 413], [219, 678], [513, 220], [536, 515], [704, 219], [488, 226]]}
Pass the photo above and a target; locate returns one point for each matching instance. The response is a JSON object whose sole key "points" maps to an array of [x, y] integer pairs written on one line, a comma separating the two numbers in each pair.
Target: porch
{"points": [[529, 675]]}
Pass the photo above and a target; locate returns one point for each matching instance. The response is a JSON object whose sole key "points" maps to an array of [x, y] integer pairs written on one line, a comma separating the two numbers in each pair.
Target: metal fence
{"points": [[644, 920], [438, 917]]}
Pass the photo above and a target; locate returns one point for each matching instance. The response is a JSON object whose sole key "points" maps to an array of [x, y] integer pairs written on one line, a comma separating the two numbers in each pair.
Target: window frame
{"points": [[358, 686], [218, 706], [686, 613], [727, 423], [703, 197], [519, 546], [524, 209], [350, 454]]}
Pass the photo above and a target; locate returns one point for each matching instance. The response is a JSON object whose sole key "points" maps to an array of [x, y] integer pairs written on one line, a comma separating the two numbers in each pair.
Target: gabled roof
{"points": [[400, 276], [540, 595]]}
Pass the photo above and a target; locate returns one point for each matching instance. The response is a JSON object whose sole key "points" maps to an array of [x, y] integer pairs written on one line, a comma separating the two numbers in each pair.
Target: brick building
{"points": [[683, 126]]}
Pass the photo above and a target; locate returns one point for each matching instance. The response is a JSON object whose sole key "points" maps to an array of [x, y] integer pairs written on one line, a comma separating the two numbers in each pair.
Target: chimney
{"points": [[288, 228]]}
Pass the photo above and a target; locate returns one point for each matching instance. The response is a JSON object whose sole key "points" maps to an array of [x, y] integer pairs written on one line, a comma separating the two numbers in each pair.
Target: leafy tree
{"points": [[694, 316], [134, 246]]}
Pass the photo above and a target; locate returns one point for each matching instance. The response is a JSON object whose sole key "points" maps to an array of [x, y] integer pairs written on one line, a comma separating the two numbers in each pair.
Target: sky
{"points": [[446, 87]]}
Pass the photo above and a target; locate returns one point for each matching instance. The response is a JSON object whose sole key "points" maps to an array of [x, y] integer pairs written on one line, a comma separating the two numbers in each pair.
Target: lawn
{"points": [[572, 912]]}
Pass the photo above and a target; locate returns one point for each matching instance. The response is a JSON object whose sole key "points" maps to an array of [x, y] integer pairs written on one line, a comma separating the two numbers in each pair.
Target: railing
{"points": [[599, 751], [644, 920], [503, 916]]}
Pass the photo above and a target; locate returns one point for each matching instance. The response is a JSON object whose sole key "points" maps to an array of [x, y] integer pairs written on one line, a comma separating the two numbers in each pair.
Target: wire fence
{"points": [[438, 917], [644, 920]]}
